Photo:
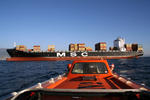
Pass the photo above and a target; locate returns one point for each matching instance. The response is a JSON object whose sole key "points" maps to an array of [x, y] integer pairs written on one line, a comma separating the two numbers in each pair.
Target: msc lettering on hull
{"points": [[72, 54]]}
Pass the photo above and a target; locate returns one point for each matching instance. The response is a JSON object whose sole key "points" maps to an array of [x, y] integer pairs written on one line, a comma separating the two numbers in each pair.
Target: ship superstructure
{"points": [[119, 44]]}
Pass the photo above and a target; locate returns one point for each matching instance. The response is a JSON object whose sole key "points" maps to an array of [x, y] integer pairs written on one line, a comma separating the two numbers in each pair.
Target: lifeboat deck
{"points": [[92, 83]]}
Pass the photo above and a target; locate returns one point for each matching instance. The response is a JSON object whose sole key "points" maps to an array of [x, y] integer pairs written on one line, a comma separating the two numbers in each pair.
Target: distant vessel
{"points": [[76, 52], [17, 55]]}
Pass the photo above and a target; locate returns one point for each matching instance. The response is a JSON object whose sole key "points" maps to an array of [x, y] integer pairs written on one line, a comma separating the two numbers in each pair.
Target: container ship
{"points": [[76, 52]]}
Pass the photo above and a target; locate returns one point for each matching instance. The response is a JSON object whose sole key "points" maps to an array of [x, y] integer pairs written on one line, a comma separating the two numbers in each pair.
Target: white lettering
{"points": [[73, 54], [61, 54], [84, 54]]}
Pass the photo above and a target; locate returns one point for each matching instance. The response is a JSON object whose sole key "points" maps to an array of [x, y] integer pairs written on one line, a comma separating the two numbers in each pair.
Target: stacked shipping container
{"points": [[137, 47], [88, 49], [134, 47], [101, 46], [36, 48], [79, 47], [128, 47], [140, 47], [76, 47], [51, 47], [30, 50], [71, 47], [21, 48]]}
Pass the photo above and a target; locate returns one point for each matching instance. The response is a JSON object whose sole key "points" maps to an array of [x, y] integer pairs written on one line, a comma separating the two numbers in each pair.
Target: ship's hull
{"points": [[51, 56]]}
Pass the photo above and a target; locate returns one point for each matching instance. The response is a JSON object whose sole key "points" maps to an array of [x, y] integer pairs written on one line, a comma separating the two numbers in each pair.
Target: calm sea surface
{"points": [[15, 76]]}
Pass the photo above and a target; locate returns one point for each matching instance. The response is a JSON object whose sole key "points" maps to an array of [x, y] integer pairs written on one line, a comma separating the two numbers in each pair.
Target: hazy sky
{"points": [[61, 22]]}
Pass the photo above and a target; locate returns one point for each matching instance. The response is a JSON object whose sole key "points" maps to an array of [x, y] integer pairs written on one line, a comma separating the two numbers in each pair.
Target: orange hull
{"points": [[65, 58]]}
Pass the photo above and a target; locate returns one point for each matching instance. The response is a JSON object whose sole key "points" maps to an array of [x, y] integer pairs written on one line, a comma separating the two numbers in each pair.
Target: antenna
{"points": [[14, 44]]}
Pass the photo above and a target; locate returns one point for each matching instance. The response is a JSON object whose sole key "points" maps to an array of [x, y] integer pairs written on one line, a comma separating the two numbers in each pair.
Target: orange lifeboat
{"points": [[86, 80]]}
